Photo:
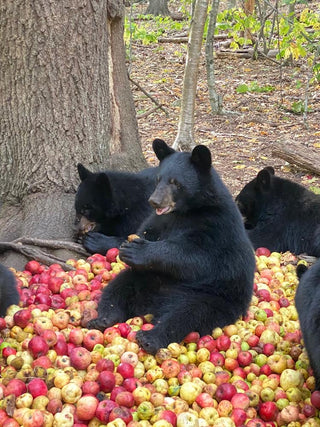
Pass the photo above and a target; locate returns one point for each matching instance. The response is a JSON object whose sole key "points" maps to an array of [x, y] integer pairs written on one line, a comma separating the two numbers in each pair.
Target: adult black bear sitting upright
{"points": [[112, 203], [307, 300], [280, 214], [8, 290], [193, 266]]}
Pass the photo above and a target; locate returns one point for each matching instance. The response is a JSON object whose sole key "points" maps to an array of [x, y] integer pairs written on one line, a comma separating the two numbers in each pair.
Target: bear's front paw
{"points": [[134, 253], [100, 323], [149, 342]]}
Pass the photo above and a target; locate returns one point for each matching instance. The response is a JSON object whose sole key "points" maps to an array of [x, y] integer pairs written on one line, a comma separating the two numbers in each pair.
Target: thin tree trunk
{"points": [[65, 98], [185, 137], [214, 98]]}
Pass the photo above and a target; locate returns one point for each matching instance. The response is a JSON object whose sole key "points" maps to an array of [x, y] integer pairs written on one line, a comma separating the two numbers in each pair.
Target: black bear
{"points": [[280, 214], [193, 265], [307, 301], [8, 290], [113, 204]]}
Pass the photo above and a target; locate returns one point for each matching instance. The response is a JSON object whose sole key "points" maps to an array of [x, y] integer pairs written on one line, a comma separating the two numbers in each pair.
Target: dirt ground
{"points": [[240, 140]]}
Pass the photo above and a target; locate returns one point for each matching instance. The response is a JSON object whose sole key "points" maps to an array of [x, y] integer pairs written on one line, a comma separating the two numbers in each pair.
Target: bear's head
{"points": [[254, 195], [181, 179], [93, 200]]}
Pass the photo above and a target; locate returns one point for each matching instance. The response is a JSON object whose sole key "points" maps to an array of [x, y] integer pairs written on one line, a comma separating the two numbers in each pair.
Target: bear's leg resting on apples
{"points": [[178, 316], [307, 300], [8, 290], [126, 296]]}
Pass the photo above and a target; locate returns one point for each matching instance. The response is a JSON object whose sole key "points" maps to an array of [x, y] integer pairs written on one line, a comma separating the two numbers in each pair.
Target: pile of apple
{"points": [[56, 372]]}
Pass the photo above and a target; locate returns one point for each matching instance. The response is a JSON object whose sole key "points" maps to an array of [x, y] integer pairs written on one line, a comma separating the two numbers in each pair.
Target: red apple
{"points": [[315, 399], [80, 358], [111, 255], [16, 387], [34, 267], [37, 387], [107, 381], [21, 318], [61, 347], [238, 416], [168, 415], [244, 358], [125, 398], [262, 251], [86, 407], [225, 391], [126, 370], [223, 343], [38, 346], [91, 338], [217, 358], [268, 411], [105, 365], [90, 387], [121, 412], [103, 410]]}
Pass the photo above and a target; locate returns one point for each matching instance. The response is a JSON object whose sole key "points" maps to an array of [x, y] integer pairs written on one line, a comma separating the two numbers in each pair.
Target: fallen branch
{"points": [[149, 96], [147, 113], [25, 246], [291, 152]]}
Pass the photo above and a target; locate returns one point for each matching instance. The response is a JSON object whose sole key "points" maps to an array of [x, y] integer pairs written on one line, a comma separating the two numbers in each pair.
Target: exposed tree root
{"points": [[26, 246]]}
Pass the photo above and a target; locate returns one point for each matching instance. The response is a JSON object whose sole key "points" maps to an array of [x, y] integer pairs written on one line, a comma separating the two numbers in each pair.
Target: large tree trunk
{"points": [[65, 98], [158, 7]]}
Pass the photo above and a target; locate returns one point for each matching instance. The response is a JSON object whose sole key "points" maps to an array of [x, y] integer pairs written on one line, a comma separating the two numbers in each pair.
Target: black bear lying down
{"points": [[113, 204], [280, 214], [8, 290], [307, 300], [193, 266]]}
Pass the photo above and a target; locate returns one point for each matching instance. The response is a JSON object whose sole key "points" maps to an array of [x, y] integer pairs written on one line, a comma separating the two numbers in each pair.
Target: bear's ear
{"points": [[103, 183], [83, 172], [264, 178], [270, 170], [201, 158], [161, 149]]}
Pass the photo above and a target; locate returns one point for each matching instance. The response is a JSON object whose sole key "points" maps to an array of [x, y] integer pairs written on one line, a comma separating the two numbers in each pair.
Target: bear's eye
{"points": [[175, 182]]}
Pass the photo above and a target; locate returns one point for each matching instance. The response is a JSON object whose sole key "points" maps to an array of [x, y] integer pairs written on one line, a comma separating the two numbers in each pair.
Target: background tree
{"points": [[158, 7], [65, 98], [185, 137]]}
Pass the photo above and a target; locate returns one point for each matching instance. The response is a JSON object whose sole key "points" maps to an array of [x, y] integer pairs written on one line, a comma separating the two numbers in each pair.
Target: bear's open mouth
{"points": [[165, 210]]}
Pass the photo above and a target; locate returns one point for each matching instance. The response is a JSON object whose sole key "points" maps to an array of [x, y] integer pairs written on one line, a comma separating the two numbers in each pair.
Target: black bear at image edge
{"points": [[193, 266], [280, 215], [110, 205], [307, 301], [8, 290]]}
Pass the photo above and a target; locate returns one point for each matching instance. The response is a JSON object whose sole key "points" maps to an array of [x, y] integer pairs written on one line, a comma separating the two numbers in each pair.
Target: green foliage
{"points": [[316, 190], [254, 87], [149, 28], [298, 107]]}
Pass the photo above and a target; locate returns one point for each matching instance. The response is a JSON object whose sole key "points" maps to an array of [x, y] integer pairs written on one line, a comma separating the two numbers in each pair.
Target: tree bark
{"points": [[214, 98], [65, 98], [185, 136], [158, 7]]}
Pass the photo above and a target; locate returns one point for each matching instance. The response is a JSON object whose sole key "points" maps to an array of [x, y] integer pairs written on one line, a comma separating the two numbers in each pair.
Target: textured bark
{"points": [[185, 136], [158, 7], [65, 98]]}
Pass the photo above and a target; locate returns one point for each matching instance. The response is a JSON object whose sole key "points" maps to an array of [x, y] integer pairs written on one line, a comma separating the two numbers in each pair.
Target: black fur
{"points": [[193, 266], [280, 214], [8, 290], [307, 302], [113, 204]]}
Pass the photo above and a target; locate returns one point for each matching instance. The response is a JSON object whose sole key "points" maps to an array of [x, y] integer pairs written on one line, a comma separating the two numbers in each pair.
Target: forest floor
{"points": [[241, 140]]}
